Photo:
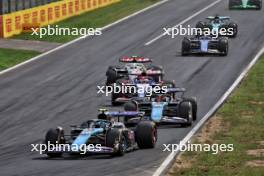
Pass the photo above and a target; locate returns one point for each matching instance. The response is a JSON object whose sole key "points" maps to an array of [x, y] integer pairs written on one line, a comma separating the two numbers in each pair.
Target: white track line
{"points": [[184, 21], [170, 158], [80, 38]]}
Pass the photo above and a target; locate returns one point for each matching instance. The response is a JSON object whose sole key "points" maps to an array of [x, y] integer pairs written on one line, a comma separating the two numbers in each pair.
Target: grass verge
{"points": [[11, 57], [240, 122], [94, 19]]}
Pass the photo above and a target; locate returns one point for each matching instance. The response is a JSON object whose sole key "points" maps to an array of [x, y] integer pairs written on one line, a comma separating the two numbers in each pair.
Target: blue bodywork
{"points": [[157, 110], [85, 135], [204, 45]]}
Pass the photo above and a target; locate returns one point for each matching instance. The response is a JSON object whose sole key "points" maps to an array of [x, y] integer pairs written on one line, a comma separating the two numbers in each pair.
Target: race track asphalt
{"points": [[60, 88]]}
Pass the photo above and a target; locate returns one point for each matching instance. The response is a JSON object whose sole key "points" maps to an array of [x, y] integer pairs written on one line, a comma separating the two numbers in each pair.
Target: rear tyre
{"points": [[113, 99], [200, 25], [146, 134], [234, 27], [232, 3], [259, 4], [53, 136], [115, 138], [111, 76], [130, 106]]}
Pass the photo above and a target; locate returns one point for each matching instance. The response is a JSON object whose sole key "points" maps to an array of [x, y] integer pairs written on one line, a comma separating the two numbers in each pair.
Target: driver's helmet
{"points": [[217, 19]]}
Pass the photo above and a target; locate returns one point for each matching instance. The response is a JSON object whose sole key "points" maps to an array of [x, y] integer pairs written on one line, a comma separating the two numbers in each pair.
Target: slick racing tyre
{"points": [[185, 111], [116, 95], [130, 106], [146, 134], [234, 27], [193, 102], [54, 136], [186, 46], [111, 76], [114, 138], [200, 25], [223, 46], [258, 4], [233, 3]]}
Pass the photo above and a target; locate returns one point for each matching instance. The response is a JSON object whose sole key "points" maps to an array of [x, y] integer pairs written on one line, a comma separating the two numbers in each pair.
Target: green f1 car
{"points": [[245, 4]]}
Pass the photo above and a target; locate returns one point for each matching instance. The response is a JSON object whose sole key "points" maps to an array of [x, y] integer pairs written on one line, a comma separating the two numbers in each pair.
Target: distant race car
{"points": [[107, 133], [245, 4], [164, 109], [142, 86], [216, 23], [133, 66], [205, 45]]}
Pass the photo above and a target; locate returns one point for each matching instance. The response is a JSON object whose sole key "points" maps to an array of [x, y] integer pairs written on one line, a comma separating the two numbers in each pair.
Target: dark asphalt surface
{"points": [[60, 88]]}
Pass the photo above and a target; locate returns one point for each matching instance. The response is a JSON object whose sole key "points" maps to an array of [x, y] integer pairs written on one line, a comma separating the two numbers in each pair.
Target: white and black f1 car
{"points": [[107, 133], [164, 109], [205, 45], [134, 66]]}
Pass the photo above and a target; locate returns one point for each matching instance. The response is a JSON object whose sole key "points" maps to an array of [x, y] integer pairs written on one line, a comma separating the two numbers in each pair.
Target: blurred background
{"points": [[8, 6]]}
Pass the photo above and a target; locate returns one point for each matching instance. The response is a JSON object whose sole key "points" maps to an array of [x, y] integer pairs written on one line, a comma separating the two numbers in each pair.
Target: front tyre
{"points": [[146, 134], [185, 111], [116, 140], [223, 46], [54, 136]]}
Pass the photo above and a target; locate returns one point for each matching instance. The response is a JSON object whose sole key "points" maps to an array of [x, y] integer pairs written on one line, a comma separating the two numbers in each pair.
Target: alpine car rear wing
{"points": [[104, 114]]}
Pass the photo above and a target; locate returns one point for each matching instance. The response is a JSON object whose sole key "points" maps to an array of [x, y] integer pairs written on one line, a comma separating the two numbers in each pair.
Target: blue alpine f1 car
{"points": [[165, 109], [219, 25], [105, 135], [205, 45]]}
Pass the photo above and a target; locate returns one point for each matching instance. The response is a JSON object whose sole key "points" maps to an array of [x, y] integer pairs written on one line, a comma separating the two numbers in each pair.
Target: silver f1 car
{"points": [[205, 45], [133, 67]]}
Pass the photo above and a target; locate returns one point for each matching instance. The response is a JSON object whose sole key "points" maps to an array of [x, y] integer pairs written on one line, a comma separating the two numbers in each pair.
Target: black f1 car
{"points": [[164, 109], [245, 4], [105, 135], [219, 25], [205, 45], [134, 66]]}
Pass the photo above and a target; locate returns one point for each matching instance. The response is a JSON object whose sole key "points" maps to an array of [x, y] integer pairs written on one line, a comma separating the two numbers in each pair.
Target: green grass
{"points": [[10, 57], [94, 19], [244, 114]]}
